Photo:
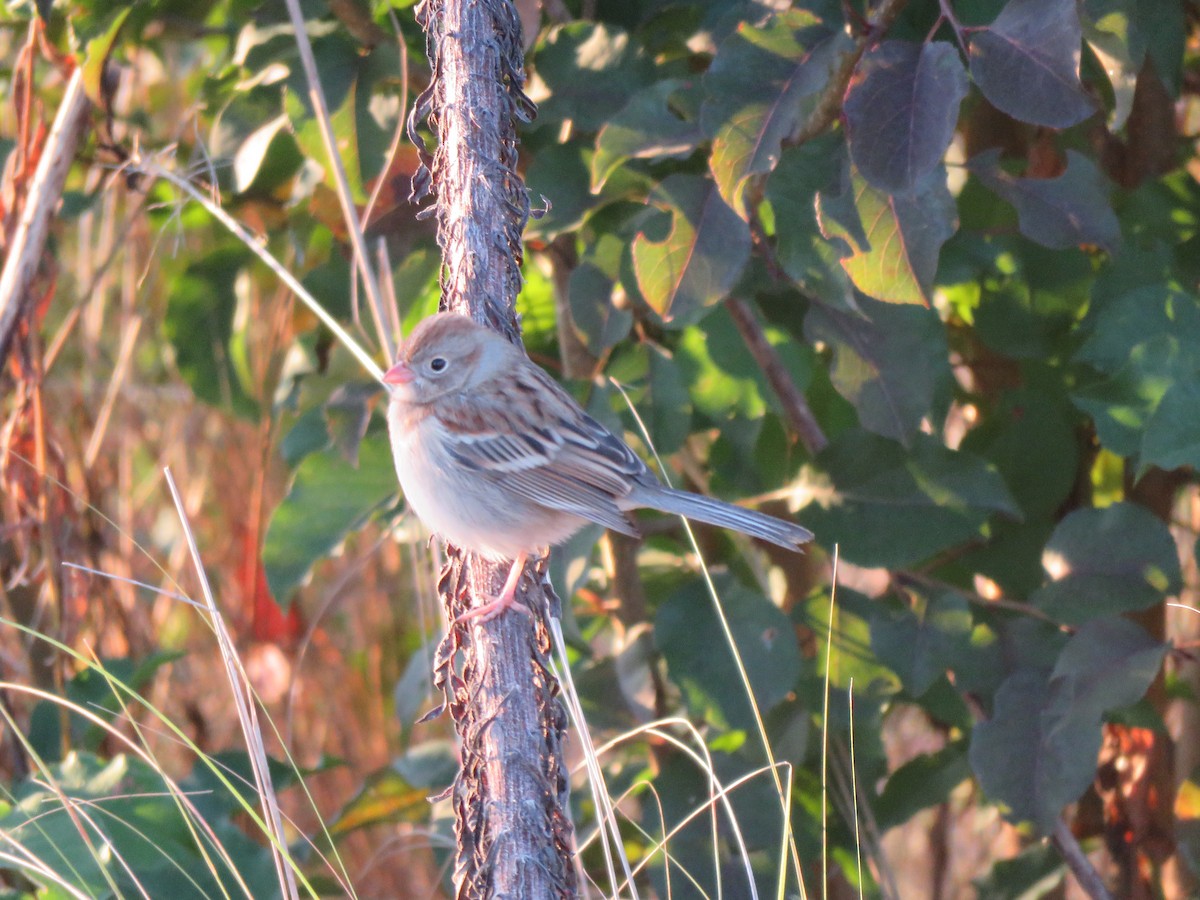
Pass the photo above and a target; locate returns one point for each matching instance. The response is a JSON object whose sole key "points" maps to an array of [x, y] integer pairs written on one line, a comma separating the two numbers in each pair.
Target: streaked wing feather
{"points": [[574, 465], [546, 488]]}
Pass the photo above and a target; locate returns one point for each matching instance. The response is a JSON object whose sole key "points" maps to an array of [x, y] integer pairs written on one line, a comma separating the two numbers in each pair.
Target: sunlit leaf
{"points": [[760, 88], [200, 324], [890, 241], [591, 70], [1172, 436], [701, 258], [646, 128]]}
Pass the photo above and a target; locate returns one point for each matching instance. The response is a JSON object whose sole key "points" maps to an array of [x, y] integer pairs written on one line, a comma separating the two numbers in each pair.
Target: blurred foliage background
{"points": [[922, 275]]}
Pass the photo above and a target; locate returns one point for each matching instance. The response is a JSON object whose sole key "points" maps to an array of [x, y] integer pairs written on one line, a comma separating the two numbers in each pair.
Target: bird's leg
{"points": [[507, 597]]}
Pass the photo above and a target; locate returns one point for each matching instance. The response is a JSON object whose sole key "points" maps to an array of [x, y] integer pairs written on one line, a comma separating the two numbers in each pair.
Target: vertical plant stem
{"points": [[514, 833]]}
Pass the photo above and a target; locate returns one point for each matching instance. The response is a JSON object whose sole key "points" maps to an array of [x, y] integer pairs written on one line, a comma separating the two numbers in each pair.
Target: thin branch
{"points": [[1081, 867], [24, 251], [829, 105], [791, 398]]}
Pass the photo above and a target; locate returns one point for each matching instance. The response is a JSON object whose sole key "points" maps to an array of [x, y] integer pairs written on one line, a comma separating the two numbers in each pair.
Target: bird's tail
{"points": [[726, 515]]}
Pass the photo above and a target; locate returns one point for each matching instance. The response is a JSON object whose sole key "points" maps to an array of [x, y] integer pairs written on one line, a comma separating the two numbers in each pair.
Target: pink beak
{"points": [[400, 373]]}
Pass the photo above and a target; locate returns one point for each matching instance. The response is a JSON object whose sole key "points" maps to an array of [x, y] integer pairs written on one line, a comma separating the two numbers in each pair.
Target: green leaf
{"points": [[1030, 417], [894, 508], [698, 659], [761, 87], [802, 251], [347, 415], [922, 782], [901, 109], [646, 128], [389, 798], [328, 498], [1061, 212], [1122, 404], [890, 242], [590, 292], [701, 258], [1111, 30], [308, 434], [362, 120], [560, 174], [1120, 321], [887, 361], [267, 159], [1172, 436], [1105, 561], [97, 694], [95, 60], [199, 323], [1032, 874], [138, 843], [1027, 63], [591, 71], [668, 412], [1038, 751], [1143, 337], [1029, 297], [922, 643], [725, 382]]}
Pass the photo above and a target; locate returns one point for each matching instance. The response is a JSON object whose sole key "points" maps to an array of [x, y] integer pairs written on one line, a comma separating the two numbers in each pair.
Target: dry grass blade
{"points": [[321, 108], [156, 170], [246, 708]]}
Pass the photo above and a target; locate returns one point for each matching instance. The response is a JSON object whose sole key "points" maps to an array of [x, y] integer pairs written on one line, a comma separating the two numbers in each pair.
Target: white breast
{"points": [[463, 506]]}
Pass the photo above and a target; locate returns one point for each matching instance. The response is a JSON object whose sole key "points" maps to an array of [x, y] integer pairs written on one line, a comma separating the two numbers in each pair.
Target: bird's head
{"points": [[445, 354]]}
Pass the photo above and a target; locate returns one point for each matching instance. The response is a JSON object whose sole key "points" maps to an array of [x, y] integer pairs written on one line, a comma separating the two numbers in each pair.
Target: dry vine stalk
{"points": [[513, 831]]}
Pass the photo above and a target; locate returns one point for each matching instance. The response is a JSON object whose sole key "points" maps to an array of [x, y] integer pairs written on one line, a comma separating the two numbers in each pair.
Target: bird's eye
{"points": [[437, 364]]}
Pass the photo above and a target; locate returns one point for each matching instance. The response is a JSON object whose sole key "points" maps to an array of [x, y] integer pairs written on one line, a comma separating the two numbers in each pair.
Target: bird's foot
{"points": [[507, 598]]}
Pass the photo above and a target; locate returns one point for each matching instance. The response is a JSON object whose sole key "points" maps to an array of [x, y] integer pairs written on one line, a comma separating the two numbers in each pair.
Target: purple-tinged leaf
{"points": [[805, 256], [891, 241], [760, 88], [701, 258], [1027, 63], [1061, 212], [901, 109], [1031, 758], [1108, 664], [1037, 753]]}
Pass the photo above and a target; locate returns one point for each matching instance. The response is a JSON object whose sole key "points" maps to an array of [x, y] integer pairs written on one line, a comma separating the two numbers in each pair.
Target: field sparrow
{"points": [[498, 459]]}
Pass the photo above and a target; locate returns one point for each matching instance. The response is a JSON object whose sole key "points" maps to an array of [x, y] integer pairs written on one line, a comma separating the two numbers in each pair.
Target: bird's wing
{"points": [[529, 436]]}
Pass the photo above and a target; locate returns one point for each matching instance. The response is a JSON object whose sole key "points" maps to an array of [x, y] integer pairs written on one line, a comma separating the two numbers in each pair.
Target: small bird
{"points": [[497, 458]]}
